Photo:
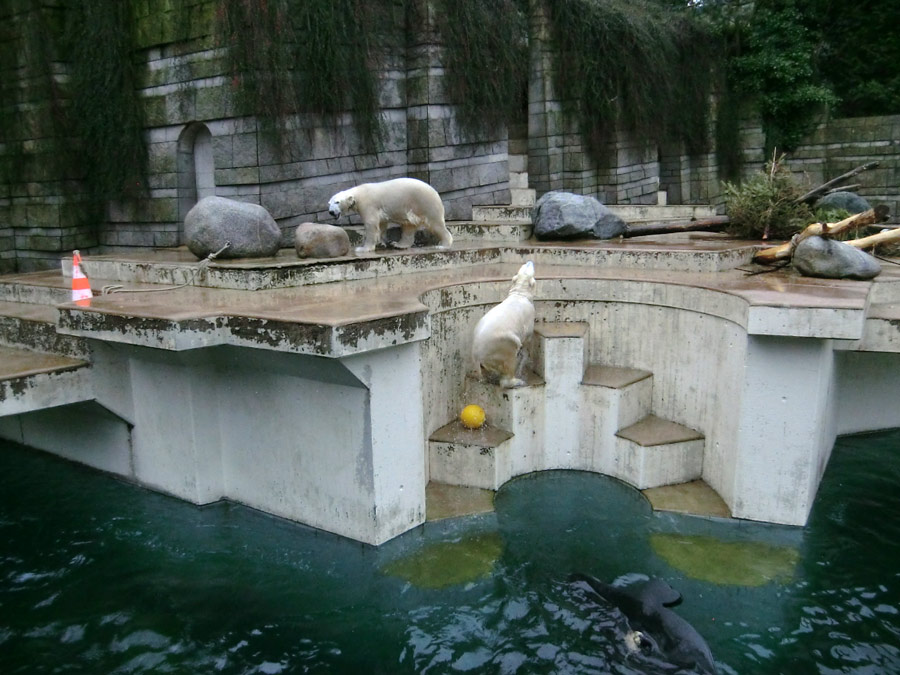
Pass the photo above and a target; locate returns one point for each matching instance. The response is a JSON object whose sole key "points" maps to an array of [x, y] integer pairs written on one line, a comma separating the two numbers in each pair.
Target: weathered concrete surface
{"points": [[34, 381], [250, 375]]}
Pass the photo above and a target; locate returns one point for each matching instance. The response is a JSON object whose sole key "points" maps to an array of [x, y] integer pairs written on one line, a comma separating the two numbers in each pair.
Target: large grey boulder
{"points": [[823, 257], [564, 215], [848, 201], [213, 221], [319, 240]]}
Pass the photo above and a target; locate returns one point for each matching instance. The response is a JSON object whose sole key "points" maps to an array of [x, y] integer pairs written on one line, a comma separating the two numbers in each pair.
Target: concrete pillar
{"points": [[786, 430], [397, 438]]}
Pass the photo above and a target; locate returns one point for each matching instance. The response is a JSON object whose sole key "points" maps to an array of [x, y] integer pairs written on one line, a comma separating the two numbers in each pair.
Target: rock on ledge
{"points": [[830, 259], [319, 240], [564, 215], [213, 221]]}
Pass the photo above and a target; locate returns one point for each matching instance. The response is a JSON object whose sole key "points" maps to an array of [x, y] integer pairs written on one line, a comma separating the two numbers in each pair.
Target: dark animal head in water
{"points": [[659, 631]]}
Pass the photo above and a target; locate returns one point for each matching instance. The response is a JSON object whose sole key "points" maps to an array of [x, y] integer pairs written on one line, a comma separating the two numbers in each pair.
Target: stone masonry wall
{"points": [[198, 144], [839, 145]]}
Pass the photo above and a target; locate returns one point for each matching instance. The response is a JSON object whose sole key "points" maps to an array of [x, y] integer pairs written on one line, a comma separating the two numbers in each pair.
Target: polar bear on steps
{"points": [[409, 202], [500, 334]]}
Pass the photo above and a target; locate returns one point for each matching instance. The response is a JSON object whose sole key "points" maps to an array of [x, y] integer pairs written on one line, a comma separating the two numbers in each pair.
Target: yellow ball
{"points": [[472, 416]]}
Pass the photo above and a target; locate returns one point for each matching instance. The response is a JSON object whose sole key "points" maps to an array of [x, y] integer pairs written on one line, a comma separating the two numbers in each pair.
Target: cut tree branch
{"points": [[876, 239], [705, 224], [786, 250], [812, 194]]}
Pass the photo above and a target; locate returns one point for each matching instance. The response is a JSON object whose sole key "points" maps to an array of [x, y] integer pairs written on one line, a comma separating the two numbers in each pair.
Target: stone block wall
{"points": [[839, 145], [199, 144]]}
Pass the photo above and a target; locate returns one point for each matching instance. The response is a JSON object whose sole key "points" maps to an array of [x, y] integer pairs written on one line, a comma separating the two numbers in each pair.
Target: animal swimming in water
{"points": [[654, 628]]}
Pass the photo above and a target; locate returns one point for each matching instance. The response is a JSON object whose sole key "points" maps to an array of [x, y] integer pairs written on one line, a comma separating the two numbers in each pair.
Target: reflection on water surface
{"points": [[99, 576]]}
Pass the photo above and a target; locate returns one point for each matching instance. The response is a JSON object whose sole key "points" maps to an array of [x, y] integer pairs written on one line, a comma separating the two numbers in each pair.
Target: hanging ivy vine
{"points": [[75, 94], [106, 112], [486, 60], [306, 56], [630, 65]]}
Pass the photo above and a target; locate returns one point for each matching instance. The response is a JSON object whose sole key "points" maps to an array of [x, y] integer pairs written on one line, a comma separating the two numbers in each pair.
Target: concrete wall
{"points": [[319, 441]]}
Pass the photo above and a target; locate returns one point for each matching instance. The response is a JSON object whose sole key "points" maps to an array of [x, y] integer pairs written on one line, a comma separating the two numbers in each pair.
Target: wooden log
{"points": [[844, 188], [875, 239], [784, 251], [812, 194], [700, 225]]}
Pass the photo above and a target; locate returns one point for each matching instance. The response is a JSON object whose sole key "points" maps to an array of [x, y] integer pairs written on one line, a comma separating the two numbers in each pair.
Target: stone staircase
{"points": [[569, 415], [515, 217], [39, 368]]}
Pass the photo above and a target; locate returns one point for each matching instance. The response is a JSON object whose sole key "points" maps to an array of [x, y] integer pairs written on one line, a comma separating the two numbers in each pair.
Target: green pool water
{"points": [[98, 576]]}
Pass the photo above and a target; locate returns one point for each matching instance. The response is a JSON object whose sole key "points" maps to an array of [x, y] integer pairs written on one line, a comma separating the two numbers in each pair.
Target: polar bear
{"points": [[500, 334], [409, 202]]}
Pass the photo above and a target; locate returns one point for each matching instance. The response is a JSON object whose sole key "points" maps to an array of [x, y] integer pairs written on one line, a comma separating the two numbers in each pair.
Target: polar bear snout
{"points": [[340, 203]]}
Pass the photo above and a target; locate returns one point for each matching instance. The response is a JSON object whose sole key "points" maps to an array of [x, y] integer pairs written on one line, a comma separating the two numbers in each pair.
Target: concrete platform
{"points": [[309, 389]]}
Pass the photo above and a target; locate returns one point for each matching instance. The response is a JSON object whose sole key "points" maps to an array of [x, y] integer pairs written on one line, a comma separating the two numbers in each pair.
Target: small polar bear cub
{"points": [[409, 202], [500, 334]]}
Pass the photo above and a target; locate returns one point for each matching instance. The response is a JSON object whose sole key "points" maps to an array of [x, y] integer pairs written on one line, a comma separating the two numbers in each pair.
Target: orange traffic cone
{"points": [[81, 288]]}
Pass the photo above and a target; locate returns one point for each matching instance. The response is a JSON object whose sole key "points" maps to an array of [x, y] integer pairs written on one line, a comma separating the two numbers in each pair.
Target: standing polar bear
{"points": [[500, 334], [409, 202]]}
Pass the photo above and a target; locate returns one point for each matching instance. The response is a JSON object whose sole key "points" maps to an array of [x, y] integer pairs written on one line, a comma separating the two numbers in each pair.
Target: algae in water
{"points": [[734, 563], [449, 563]]}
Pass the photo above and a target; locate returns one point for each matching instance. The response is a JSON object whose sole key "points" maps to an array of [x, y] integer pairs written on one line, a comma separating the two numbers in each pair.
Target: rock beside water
{"points": [[830, 259], [564, 215], [319, 240], [212, 221]]}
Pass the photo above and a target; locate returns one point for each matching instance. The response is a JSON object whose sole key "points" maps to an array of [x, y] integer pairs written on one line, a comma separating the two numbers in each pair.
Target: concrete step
{"points": [[33, 326], [462, 230], [501, 213], [519, 410], [475, 458], [39, 288], [694, 497], [32, 381], [558, 352], [655, 452], [518, 180], [454, 501], [470, 230], [522, 197], [624, 393], [612, 398]]}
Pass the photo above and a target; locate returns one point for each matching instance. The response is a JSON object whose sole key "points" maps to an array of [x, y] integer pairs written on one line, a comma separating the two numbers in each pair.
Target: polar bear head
{"points": [[341, 203], [523, 282]]}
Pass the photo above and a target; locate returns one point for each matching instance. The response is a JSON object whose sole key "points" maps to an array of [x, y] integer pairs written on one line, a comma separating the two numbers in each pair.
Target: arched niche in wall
{"points": [[196, 178]]}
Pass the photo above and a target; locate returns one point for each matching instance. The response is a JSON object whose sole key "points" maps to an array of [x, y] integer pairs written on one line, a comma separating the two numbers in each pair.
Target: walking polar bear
{"points": [[500, 334], [409, 202]]}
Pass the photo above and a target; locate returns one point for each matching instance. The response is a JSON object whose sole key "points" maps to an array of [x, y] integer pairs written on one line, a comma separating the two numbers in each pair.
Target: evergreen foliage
{"points": [[764, 206], [777, 65], [861, 53]]}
